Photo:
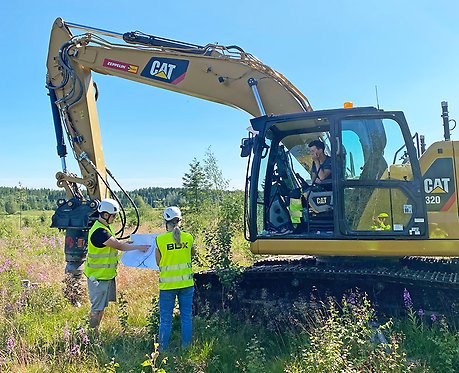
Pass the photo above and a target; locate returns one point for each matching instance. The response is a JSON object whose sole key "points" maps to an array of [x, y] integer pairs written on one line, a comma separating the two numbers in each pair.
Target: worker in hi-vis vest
{"points": [[380, 222], [174, 250], [102, 260]]}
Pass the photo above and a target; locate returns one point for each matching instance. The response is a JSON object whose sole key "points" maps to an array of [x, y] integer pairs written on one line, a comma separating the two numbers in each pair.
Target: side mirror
{"points": [[246, 146]]}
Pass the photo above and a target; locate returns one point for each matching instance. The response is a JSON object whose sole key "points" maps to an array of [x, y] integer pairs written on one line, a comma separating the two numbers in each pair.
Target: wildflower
{"points": [[421, 312], [75, 350], [85, 340], [351, 299], [10, 344], [43, 276], [407, 299], [6, 266], [8, 308], [66, 333], [84, 337], [433, 317]]}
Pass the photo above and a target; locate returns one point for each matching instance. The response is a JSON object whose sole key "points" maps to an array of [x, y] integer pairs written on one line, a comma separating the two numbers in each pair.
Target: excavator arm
{"points": [[225, 75]]}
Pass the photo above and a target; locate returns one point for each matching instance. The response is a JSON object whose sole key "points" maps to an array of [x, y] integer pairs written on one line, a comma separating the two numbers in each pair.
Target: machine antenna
{"points": [[377, 97]]}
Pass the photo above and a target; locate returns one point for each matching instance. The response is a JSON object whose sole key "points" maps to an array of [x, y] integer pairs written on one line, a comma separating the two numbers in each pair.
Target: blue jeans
{"points": [[166, 309]]}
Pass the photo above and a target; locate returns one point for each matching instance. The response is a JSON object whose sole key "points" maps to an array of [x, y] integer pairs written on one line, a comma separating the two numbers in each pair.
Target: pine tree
{"points": [[195, 184], [213, 172]]}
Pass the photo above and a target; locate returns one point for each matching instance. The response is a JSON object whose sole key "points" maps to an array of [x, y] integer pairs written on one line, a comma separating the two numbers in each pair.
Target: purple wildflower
{"points": [[351, 299], [85, 340], [407, 299], [6, 265], [66, 334], [421, 312], [84, 337], [75, 350], [10, 344], [8, 307], [433, 317], [43, 276]]}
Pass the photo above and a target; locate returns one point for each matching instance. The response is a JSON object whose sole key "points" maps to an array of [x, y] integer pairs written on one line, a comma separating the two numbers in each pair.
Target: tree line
{"points": [[204, 181], [15, 199]]}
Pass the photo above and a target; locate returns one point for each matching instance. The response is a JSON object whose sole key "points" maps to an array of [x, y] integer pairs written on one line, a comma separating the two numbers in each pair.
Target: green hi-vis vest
{"points": [[175, 264], [101, 262], [381, 227], [296, 210]]}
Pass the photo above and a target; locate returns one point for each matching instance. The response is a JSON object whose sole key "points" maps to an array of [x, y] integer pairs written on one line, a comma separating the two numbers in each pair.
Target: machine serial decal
{"points": [[168, 70], [439, 185], [117, 65]]}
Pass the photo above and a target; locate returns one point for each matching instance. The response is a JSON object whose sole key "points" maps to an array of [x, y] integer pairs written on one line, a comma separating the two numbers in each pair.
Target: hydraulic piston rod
{"points": [[253, 84]]}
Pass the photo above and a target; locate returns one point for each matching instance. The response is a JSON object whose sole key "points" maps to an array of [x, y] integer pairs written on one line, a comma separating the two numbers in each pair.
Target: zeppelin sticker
{"points": [[118, 65]]}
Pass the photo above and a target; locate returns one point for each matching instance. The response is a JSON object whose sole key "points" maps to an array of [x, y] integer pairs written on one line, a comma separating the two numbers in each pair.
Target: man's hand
{"points": [[143, 248]]}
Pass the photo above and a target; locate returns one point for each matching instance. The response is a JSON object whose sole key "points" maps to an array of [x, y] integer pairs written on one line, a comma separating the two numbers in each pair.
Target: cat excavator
{"points": [[386, 221]]}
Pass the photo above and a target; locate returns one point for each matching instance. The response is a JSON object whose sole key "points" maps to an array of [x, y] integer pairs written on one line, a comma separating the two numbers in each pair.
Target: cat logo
{"points": [[321, 200], [162, 70], [438, 185], [167, 70]]}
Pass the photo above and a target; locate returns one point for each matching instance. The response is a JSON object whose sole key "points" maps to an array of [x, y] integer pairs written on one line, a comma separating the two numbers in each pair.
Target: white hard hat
{"points": [[109, 205], [171, 213]]}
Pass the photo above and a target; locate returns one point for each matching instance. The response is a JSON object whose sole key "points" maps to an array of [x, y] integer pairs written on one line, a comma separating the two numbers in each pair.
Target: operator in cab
{"points": [[102, 260], [321, 169]]}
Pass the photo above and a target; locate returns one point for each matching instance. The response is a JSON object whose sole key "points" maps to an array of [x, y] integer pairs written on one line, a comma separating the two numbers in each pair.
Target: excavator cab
{"points": [[375, 171]]}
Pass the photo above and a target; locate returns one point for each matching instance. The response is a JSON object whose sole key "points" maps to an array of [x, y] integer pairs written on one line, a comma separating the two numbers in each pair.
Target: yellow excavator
{"points": [[386, 220]]}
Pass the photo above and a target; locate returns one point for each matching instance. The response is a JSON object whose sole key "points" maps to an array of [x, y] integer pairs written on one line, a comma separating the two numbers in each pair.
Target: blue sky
{"points": [[333, 51]]}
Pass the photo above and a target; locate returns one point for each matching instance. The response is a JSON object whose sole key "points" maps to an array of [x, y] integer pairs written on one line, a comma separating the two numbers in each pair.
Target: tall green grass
{"points": [[41, 332]]}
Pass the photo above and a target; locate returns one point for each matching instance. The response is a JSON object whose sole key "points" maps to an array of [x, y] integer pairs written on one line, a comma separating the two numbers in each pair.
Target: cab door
{"points": [[379, 190]]}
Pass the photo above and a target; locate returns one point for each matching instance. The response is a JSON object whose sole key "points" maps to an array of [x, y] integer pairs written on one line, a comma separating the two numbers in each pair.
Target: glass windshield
{"points": [[368, 153]]}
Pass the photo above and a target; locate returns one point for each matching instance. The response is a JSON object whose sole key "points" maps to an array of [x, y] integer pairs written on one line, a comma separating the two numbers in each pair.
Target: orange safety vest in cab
{"points": [[175, 264]]}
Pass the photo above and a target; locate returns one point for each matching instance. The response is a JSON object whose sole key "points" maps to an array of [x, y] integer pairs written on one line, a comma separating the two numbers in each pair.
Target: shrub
{"points": [[343, 340]]}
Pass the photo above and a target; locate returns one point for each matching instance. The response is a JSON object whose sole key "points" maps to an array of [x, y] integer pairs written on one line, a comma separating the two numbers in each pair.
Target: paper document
{"points": [[140, 259]]}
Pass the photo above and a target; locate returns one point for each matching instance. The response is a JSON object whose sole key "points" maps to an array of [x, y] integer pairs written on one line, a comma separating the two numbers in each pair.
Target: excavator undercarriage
{"points": [[291, 285]]}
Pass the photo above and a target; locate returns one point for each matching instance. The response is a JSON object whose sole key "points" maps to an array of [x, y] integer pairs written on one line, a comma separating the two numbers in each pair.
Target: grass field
{"points": [[40, 331]]}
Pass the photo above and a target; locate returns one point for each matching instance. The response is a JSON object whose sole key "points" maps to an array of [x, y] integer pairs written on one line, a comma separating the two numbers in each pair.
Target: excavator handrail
{"points": [[93, 30]]}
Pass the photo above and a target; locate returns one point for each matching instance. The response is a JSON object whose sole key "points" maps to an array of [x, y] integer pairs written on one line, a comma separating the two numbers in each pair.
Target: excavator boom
{"points": [[226, 75]]}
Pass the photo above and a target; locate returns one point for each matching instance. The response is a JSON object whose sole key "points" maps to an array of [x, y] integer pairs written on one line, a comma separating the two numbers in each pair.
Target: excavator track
{"points": [[282, 284]]}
